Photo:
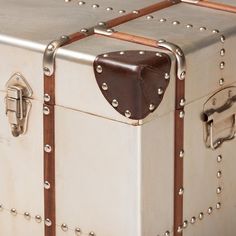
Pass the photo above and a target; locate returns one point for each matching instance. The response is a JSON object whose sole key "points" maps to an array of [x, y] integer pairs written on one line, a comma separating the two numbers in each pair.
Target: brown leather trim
{"points": [[179, 131], [214, 5], [135, 82]]}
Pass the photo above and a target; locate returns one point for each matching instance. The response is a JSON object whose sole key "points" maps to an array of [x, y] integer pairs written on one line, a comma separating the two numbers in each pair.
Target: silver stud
{"points": [[122, 11], [38, 218], [158, 54], [110, 30], [189, 26], [51, 47], [162, 20], [219, 190], [167, 233], [46, 111], [136, 12], [180, 229], [210, 210], [222, 38], [104, 87], [202, 28], [47, 97], [181, 114], [109, 8], [84, 30], [182, 102], [185, 224], [219, 174], [160, 91], [81, 3], [115, 103], [181, 191], [141, 52], [176, 22], [105, 55], [219, 158], [99, 69], [27, 215], [149, 17], [193, 220], [182, 75], [221, 82], [122, 53], [222, 65], [48, 222], [64, 227], [95, 6], [101, 23], [181, 154], [161, 41], [215, 31], [151, 107], [127, 113], [218, 205], [167, 76], [78, 231], [201, 216], [46, 70], [47, 185], [13, 212], [222, 52], [47, 148], [92, 233], [179, 52]]}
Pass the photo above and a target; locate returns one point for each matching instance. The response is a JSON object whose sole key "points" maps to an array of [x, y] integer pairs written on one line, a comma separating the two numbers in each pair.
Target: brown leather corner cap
{"points": [[133, 82]]}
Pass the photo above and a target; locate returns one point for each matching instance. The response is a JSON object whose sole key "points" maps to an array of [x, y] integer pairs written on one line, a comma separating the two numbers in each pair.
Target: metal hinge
{"points": [[18, 104]]}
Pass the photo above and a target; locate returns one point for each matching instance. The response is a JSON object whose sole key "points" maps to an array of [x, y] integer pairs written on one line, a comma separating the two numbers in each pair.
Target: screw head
{"points": [[46, 111], [64, 227], [38, 218], [115, 103], [182, 75], [47, 185], [181, 154], [181, 114], [182, 102], [181, 191], [47, 97], [48, 222], [27, 215], [13, 212], [47, 148], [50, 47], [104, 87], [128, 114], [84, 30], [46, 71], [99, 69]]}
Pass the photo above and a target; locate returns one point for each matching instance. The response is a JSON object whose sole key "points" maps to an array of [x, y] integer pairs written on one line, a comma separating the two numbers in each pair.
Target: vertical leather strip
{"points": [[213, 5]]}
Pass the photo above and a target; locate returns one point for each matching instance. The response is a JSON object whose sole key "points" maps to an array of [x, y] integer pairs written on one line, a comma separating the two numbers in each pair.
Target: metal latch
{"points": [[219, 117], [18, 104]]}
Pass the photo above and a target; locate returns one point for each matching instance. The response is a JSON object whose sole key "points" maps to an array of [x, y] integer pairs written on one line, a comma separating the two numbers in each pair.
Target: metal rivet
{"points": [[47, 185], [101, 23], [162, 20], [78, 231], [161, 41], [13, 212], [181, 114], [210, 210], [202, 28], [160, 91], [122, 53], [47, 97], [127, 113], [95, 6], [46, 111], [193, 220], [167, 76], [84, 30], [121, 11], [180, 229], [136, 12], [64, 227], [167, 233], [141, 52], [110, 30], [219, 174], [47, 148], [215, 31], [158, 54], [81, 3], [27, 215], [104, 87], [219, 158], [99, 69], [48, 222], [182, 75], [38, 218], [105, 55], [179, 52], [218, 205], [151, 107], [181, 154], [50, 47], [201, 216], [46, 70], [182, 102], [176, 22], [149, 17], [115, 103], [181, 191], [221, 82], [92, 234], [219, 190], [222, 65], [189, 26], [185, 224], [222, 38], [222, 52], [109, 8]]}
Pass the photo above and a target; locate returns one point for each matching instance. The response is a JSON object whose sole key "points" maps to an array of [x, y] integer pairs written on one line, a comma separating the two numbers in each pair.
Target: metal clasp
{"points": [[18, 104], [220, 118]]}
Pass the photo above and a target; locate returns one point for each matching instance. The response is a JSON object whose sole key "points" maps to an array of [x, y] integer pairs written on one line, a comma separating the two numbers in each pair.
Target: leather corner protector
{"points": [[133, 82]]}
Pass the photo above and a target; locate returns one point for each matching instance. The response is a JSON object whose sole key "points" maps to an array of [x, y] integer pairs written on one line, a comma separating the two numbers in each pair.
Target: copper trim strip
{"points": [[213, 5], [179, 131]]}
